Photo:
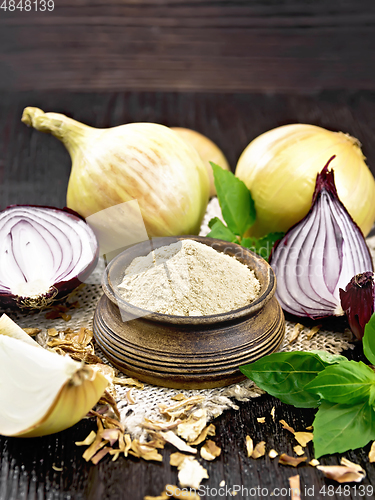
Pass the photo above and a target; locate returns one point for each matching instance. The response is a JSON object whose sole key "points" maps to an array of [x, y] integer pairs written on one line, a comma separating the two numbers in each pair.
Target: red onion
{"points": [[358, 302], [320, 254], [44, 254]]}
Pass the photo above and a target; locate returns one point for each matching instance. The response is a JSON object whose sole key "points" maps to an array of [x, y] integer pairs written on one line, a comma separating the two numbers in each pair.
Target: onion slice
{"points": [[319, 255], [45, 253]]}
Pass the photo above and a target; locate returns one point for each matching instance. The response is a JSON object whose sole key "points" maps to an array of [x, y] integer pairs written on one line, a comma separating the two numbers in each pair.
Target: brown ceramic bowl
{"points": [[183, 351]]}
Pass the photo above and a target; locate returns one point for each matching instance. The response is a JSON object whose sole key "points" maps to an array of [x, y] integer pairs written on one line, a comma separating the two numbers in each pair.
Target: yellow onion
{"points": [[207, 150], [41, 392], [280, 168], [146, 162]]}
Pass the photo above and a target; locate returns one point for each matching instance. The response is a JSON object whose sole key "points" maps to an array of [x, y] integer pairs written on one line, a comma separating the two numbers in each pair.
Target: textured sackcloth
{"points": [[147, 400]]}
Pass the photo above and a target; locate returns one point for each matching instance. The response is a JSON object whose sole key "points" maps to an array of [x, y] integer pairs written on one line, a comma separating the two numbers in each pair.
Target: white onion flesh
{"points": [[42, 247]]}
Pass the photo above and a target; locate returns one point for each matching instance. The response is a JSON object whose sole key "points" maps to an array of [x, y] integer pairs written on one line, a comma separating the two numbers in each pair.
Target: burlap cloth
{"points": [[146, 400]]}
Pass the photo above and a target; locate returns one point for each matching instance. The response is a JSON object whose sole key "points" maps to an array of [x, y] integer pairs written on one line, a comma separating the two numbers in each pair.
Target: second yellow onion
{"points": [[207, 150], [280, 168]]}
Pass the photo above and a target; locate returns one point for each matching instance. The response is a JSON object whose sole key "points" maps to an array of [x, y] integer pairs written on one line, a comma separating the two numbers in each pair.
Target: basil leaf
{"points": [[329, 358], [338, 428], [220, 231], [262, 246], [285, 375], [235, 200], [348, 382], [266, 243], [369, 340], [249, 243]]}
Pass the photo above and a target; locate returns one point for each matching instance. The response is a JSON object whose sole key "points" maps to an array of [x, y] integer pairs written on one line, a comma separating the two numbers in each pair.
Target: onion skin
{"points": [[72, 403], [207, 150], [59, 290], [143, 161], [358, 302], [280, 166], [318, 255], [10, 301]]}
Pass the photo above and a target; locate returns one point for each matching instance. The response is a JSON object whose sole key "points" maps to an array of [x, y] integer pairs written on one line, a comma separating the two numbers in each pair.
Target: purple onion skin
{"points": [[326, 181], [292, 297], [358, 302], [67, 210], [60, 290], [10, 301]]}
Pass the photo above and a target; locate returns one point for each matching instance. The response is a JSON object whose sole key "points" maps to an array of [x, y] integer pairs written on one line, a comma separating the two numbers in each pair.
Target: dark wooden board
{"points": [[214, 45], [26, 471], [34, 168]]}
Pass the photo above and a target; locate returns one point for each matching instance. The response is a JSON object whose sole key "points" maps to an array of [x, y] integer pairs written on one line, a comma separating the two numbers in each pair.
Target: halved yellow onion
{"points": [[41, 392]]}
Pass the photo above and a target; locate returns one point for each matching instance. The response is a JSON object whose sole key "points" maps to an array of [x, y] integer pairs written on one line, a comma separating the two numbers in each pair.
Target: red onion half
{"points": [[319, 255], [44, 254]]}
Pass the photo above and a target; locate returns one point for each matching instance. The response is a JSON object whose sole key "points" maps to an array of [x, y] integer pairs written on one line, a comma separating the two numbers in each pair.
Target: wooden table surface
{"points": [[217, 45], [34, 168]]}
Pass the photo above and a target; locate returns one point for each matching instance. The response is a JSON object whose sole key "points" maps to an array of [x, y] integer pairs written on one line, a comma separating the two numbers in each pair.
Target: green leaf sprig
{"points": [[238, 209], [344, 392]]}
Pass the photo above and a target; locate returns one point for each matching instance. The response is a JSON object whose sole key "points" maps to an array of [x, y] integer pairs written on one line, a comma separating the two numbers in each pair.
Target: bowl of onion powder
{"points": [[187, 311]]}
